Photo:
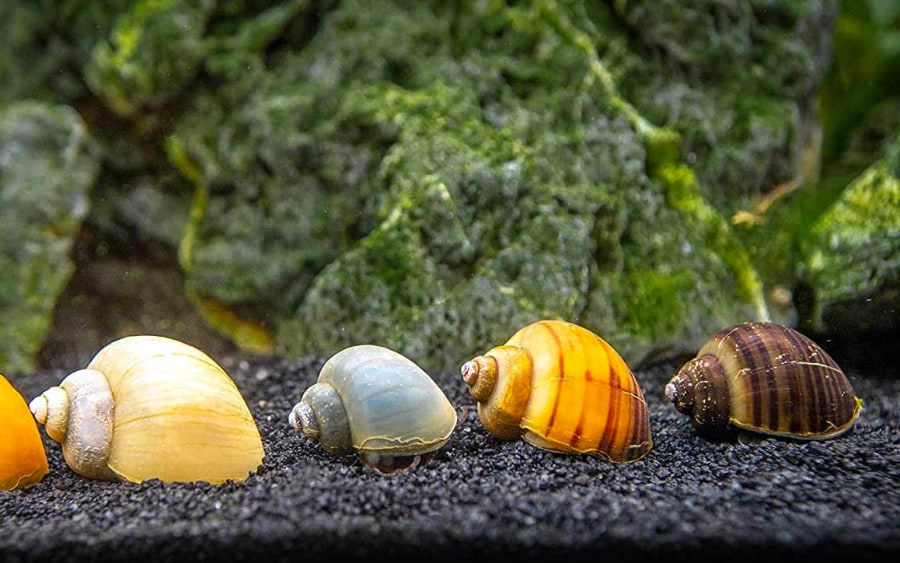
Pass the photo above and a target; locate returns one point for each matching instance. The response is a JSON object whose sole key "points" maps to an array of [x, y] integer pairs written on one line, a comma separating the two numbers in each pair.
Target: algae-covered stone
{"points": [[153, 52], [47, 167], [853, 250], [738, 80], [430, 178], [46, 47]]}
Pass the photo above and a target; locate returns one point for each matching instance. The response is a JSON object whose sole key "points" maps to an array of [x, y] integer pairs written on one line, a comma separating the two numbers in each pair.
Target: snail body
{"points": [[765, 378], [375, 401], [561, 388], [23, 461], [151, 407]]}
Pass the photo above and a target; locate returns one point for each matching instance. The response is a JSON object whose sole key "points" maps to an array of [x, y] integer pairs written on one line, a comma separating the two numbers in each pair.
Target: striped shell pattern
{"points": [[767, 378], [561, 388]]}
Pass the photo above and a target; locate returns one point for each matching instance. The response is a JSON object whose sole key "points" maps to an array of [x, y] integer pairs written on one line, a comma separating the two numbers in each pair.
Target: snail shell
{"points": [[23, 461], [374, 401], [561, 388], [150, 407], [766, 378]]}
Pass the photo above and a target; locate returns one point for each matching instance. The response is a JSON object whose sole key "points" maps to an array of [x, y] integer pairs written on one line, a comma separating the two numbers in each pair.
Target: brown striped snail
{"points": [[23, 461], [561, 388], [151, 407], [766, 378], [375, 401]]}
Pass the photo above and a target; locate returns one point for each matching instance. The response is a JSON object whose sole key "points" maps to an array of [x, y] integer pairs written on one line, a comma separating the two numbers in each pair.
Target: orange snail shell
{"points": [[561, 388], [23, 461], [766, 378]]}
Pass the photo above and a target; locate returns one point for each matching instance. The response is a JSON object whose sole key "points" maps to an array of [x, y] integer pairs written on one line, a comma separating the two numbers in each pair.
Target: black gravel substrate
{"points": [[689, 499]]}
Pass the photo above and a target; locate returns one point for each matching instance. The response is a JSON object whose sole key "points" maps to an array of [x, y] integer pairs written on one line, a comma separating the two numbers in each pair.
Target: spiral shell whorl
{"points": [[500, 382], [320, 416], [150, 407], [700, 390], [480, 374], [79, 415], [51, 408], [563, 388], [373, 400], [303, 419], [775, 379]]}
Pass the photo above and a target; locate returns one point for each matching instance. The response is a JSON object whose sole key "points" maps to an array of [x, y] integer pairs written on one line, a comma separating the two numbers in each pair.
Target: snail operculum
{"points": [[79, 415], [389, 464]]}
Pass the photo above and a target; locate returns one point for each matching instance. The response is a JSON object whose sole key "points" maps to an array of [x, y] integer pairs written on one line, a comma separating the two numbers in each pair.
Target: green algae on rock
{"points": [[45, 50], [853, 250], [47, 167], [362, 193], [431, 176], [153, 53], [737, 80]]}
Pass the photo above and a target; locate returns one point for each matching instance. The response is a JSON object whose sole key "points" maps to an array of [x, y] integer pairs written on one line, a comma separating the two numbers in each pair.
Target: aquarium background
{"points": [[293, 178]]}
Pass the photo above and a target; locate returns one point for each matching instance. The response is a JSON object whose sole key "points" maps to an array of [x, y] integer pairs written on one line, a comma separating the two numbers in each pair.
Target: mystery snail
{"points": [[766, 378], [23, 461], [561, 388], [150, 407], [374, 401]]}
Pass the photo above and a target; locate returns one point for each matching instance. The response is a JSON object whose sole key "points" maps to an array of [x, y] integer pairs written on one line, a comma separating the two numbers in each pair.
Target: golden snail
{"points": [[150, 407], [766, 378], [561, 388], [374, 401], [23, 461]]}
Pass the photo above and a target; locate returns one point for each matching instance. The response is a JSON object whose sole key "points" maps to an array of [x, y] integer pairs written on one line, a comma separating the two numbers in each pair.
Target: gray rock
{"points": [[432, 178], [48, 164], [449, 181]]}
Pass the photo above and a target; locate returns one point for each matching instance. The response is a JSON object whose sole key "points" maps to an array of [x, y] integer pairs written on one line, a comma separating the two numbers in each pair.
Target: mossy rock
{"points": [[853, 249], [431, 176], [48, 164], [364, 184]]}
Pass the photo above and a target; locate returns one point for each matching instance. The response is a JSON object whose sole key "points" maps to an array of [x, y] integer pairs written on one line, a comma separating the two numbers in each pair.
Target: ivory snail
{"points": [[375, 401], [561, 388], [151, 407], [766, 378], [23, 461]]}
